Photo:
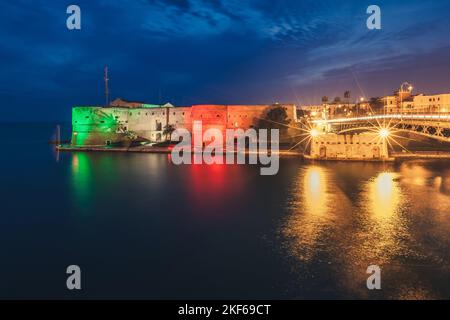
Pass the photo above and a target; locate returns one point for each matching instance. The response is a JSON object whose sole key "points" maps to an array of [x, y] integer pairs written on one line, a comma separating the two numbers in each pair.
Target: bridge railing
{"points": [[403, 116]]}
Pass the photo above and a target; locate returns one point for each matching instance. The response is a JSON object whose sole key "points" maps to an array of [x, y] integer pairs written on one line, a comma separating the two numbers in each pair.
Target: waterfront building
{"points": [[420, 103], [312, 111], [432, 103], [363, 146], [331, 110], [126, 121]]}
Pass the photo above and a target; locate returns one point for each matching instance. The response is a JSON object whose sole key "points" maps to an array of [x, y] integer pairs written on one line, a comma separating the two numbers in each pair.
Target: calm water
{"points": [[140, 227]]}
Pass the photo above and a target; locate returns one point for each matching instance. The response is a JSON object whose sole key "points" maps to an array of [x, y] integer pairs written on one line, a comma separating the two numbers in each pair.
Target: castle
{"points": [[123, 121]]}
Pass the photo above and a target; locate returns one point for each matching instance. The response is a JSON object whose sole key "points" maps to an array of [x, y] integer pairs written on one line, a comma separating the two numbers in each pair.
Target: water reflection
{"points": [[213, 188], [383, 199], [81, 181], [340, 219], [383, 226], [387, 218], [315, 191], [315, 213]]}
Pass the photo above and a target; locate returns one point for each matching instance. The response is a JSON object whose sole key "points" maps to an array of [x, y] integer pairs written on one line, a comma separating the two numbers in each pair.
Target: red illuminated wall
{"points": [[211, 116]]}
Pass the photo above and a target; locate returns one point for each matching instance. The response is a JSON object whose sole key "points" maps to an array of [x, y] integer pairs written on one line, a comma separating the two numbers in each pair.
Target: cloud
{"points": [[213, 50]]}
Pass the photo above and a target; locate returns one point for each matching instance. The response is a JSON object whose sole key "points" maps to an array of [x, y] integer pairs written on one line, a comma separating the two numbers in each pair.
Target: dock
{"points": [[141, 149], [421, 155], [151, 149]]}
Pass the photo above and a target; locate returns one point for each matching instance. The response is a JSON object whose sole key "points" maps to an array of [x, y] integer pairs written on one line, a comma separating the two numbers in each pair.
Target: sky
{"points": [[215, 52]]}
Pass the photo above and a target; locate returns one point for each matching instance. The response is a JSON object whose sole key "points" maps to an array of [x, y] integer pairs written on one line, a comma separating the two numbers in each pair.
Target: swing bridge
{"points": [[434, 126]]}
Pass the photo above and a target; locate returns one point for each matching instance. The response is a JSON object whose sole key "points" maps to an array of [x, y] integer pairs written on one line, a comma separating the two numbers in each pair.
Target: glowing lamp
{"points": [[314, 133], [384, 133]]}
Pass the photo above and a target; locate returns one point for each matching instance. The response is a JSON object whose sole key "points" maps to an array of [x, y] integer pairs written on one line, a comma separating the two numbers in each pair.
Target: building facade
{"points": [[364, 146], [432, 103], [439, 103], [100, 126]]}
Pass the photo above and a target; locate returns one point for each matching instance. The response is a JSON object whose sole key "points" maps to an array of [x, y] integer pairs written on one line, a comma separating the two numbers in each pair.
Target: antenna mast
{"points": [[106, 86]]}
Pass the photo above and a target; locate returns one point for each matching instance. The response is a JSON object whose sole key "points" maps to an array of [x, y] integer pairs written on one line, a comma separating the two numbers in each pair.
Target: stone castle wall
{"points": [[365, 146], [97, 126]]}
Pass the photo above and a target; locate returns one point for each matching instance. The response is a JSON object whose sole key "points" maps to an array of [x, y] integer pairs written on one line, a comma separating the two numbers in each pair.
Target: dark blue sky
{"points": [[217, 51]]}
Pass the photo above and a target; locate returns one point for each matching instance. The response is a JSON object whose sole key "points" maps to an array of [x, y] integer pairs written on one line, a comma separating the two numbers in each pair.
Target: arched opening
{"points": [[323, 152], [376, 152]]}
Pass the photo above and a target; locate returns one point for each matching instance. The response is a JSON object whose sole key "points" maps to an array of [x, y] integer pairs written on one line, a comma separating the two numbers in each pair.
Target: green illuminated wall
{"points": [[94, 126]]}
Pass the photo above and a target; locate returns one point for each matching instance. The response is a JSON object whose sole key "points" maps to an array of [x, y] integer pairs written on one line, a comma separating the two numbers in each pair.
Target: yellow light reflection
{"points": [[315, 191], [384, 195], [312, 219], [385, 225]]}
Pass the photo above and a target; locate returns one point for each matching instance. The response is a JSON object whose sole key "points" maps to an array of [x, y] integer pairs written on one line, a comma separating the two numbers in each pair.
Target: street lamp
{"points": [[314, 132], [405, 87], [384, 133], [361, 99]]}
